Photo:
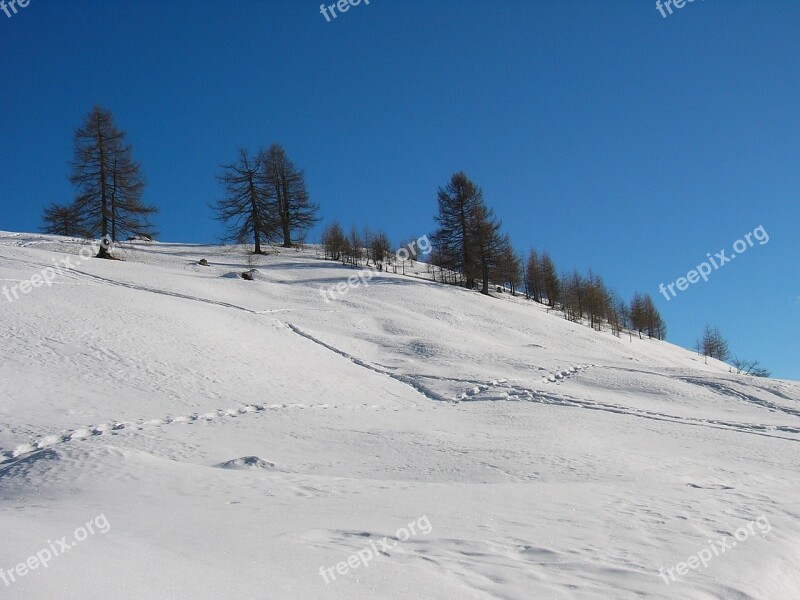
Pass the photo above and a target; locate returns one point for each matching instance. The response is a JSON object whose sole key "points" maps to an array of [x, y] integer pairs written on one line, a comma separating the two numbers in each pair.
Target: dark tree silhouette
{"points": [[292, 211], [62, 219], [246, 208], [108, 181], [458, 201]]}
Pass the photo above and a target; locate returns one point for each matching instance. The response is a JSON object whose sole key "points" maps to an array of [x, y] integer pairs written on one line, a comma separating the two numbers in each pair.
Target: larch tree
{"points": [[485, 243], [509, 267], [334, 241], [551, 284], [62, 219], [533, 277], [573, 296], [655, 325], [380, 249], [292, 210], [458, 201], [645, 317], [714, 345], [108, 182], [246, 207]]}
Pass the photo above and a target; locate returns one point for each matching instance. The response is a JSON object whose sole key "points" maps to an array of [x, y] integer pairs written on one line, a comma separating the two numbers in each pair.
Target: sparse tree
{"points": [[486, 242], [714, 345], [533, 277], [574, 296], [62, 219], [334, 241], [598, 300], [458, 201], [246, 208], [550, 281], [749, 367], [380, 249], [510, 267], [108, 181], [292, 211], [638, 314], [407, 251], [619, 316], [654, 324], [355, 247]]}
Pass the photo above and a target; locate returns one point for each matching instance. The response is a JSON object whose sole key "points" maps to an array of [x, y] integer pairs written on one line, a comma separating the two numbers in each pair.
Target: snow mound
{"points": [[246, 463]]}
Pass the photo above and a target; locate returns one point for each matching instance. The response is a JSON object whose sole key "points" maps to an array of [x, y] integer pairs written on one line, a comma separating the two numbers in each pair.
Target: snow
{"points": [[239, 436]]}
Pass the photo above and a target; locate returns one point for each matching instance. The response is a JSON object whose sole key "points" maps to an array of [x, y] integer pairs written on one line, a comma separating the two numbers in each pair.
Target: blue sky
{"points": [[615, 138]]}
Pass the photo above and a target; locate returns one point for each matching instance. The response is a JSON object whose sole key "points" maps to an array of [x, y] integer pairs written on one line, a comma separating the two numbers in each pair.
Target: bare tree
{"points": [[62, 219], [380, 249], [246, 208], [551, 284], [485, 242], [293, 211], [574, 295], [714, 345], [108, 181], [749, 367], [354, 247], [334, 241], [533, 277], [458, 201], [509, 267]]}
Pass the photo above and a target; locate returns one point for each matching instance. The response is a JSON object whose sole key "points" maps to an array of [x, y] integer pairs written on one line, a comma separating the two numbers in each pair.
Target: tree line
{"points": [[471, 250]]}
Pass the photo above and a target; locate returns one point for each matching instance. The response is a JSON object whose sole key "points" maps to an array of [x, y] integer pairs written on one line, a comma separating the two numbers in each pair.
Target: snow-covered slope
{"points": [[246, 439]]}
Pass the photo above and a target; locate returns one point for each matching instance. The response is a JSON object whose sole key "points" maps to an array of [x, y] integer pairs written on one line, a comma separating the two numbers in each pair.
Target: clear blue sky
{"points": [[615, 138]]}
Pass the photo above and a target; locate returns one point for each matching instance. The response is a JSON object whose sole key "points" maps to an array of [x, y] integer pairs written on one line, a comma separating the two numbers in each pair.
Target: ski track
{"points": [[405, 379], [726, 389]]}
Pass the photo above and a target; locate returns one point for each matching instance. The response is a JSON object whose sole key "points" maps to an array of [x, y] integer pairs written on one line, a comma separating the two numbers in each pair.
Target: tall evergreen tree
{"points": [[292, 210], [533, 277], [108, 181], [486, 243], [551, 284], [452, 240], [509, 269]]}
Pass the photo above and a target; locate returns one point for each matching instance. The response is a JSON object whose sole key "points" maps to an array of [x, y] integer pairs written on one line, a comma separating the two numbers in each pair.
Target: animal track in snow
{"points": [[506, 389], [83, 433]]}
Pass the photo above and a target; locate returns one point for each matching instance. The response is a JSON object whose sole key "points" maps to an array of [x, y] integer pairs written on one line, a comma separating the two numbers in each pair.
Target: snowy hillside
{"points": [[212, 437]]}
